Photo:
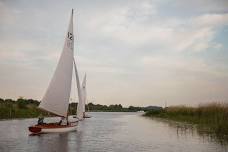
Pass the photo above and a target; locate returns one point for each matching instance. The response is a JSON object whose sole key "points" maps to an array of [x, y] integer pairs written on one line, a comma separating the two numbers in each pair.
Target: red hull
{"points": [[38, 128]]}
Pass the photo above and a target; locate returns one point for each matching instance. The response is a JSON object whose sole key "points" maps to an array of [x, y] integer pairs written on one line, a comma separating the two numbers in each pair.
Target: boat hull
{"points": [[56, 130], [52, 128]]}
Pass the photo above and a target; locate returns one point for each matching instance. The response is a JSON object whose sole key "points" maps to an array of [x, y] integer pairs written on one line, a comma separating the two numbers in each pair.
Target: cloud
{"points": [[176, 34], [134, 52]]}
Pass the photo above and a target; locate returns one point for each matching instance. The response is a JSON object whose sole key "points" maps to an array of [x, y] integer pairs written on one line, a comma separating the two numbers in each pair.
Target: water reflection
{"points": [[213, 137], [112, 132], [184, 129], [79, 141], [49, 142]]}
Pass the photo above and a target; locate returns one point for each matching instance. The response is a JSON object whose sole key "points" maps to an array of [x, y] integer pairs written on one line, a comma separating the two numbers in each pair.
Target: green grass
{"points": [[213, 116]]}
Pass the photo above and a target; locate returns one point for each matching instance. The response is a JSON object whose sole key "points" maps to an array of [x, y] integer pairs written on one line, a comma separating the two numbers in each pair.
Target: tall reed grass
{"points": [[214, 116]]}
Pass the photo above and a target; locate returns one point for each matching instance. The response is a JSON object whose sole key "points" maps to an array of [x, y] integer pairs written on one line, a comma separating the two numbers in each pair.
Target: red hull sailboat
{"points": [[56, 98]]}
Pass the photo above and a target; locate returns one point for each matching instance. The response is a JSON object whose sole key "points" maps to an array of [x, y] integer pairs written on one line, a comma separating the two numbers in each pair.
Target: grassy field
{"points": [[213, 116]]}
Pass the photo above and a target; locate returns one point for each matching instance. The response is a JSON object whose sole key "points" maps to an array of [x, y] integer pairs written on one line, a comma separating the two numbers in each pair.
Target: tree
{"points": [[21, 103]]}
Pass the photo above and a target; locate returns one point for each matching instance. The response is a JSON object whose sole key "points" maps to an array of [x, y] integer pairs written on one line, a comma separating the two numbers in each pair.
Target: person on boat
{"points": [[63, 121], [40, 120]]}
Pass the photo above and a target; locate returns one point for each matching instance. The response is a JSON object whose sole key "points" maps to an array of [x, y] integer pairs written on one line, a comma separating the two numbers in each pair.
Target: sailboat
{"points": [[80, 105], [81, 114], [84, 97], [56, 98]]}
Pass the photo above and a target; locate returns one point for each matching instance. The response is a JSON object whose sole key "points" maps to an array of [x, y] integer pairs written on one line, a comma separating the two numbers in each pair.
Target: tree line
{"points": [[28, 108]]}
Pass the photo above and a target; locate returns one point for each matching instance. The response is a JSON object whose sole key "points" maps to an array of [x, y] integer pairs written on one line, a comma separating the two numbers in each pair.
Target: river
{"points": [[112, 132]]}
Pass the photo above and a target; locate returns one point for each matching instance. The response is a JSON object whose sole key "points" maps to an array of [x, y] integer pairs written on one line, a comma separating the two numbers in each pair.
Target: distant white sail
{"points": [[56, 98], [84, 93], [80, 104]]}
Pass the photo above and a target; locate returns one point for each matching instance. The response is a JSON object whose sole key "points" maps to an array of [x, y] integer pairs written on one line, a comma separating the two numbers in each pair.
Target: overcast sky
{"points": [[135, 52]]}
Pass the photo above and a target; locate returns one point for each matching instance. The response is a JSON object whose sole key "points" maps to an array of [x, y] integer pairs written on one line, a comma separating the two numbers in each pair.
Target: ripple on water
{"points": [[113, 132]]}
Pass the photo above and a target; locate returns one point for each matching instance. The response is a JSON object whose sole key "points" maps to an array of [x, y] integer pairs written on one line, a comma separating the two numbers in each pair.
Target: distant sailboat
{"points": [[81, 113], [84, 97], [80, 102], [56, 98]]}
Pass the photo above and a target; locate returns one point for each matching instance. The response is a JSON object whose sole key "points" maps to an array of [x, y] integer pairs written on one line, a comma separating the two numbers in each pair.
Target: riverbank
{"points": [[212, 117], [28, 108]]}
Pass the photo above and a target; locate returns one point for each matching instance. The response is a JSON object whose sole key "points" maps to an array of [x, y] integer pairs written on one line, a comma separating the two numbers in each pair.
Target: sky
{"points": [[134, 52]]}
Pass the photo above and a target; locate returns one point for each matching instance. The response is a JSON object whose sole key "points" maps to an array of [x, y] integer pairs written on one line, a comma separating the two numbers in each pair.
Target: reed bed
{"points": [[213, 116]]}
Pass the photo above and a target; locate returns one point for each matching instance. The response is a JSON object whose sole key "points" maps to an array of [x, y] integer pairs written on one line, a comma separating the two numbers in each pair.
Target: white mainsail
{"points": [[80, 104], [84, 93], [56, 98]]}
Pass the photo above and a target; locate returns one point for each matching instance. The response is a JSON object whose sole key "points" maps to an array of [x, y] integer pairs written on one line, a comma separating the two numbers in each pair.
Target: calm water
{"points": [[113, 132]]}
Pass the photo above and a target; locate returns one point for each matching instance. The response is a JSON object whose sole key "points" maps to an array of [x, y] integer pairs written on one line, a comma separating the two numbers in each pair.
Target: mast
{"points": [[56, 98]]}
